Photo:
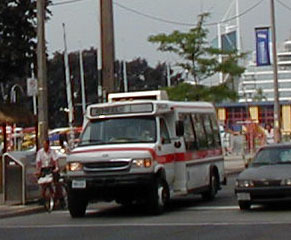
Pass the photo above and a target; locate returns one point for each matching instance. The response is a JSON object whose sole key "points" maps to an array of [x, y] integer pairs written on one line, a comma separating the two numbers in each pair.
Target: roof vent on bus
{"points": [[144, 95]]}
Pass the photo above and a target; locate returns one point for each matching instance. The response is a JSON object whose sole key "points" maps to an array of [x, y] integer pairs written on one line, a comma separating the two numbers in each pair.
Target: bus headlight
{"points": [[286, 182], [74, 166], [142, 163]]}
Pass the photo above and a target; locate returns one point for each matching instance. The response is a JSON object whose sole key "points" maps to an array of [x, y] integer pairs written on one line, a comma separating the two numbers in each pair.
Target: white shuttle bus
{"points": [[145, 151]]}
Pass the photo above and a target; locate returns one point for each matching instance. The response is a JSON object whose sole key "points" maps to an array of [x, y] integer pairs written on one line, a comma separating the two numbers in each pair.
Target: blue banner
{"points": [[262, 47]]}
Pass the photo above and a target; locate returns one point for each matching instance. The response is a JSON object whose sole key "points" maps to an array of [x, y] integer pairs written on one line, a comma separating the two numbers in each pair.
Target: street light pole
{"points": [[277, 110], [41, 74], [69, 91]]}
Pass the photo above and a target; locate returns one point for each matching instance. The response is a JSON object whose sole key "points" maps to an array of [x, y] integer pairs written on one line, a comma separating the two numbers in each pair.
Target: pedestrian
{"points": [[269, 134]]}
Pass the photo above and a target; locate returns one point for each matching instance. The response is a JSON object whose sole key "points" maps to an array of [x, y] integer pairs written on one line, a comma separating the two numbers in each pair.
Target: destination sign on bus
{"points": [[122, 109]]}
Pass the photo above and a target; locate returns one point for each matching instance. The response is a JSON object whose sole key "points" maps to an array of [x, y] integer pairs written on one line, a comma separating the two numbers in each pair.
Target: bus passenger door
{"points": [[166, 151]]}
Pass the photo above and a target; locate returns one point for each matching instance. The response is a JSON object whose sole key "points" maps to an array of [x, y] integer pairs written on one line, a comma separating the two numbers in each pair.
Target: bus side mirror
{"points": [[179, 128]]}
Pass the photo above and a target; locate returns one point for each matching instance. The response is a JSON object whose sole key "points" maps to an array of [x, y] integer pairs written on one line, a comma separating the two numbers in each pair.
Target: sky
{"points": [[82, 20]]}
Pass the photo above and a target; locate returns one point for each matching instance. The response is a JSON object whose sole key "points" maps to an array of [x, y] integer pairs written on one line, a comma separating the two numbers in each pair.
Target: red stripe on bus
{"points": [[166, 158]]}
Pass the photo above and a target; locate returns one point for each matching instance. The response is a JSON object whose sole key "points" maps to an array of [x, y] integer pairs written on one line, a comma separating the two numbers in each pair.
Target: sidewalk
{"points": [[18, 210], [233, 165]]}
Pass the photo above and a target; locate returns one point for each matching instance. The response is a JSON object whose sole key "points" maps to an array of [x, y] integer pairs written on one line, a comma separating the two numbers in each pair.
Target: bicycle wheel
{"points": [[49, 202]]}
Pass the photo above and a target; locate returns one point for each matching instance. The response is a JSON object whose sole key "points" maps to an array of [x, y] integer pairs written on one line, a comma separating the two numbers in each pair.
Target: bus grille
{"points": [[107, 166]]}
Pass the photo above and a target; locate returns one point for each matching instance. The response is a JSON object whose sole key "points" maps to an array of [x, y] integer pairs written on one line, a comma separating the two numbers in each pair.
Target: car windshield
{"points": [[119, 131], [280, 155]]}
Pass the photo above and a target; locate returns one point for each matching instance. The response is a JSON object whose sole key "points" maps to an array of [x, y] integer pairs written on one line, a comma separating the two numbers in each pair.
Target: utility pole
{"points": [[107, 44], [41, 74], [277, 110]]}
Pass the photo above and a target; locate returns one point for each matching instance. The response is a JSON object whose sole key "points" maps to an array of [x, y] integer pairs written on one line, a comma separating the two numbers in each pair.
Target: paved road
{"points": [[186, 218]]}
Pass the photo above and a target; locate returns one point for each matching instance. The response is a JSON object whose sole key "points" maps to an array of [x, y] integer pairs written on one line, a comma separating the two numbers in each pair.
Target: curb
{"points": [[21, 212], [233, 172]]}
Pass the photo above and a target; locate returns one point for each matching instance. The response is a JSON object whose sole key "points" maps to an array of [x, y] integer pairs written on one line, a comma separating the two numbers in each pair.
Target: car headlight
{"points": [[142, 163], [244, 183], [286, 182], [74, 166]]}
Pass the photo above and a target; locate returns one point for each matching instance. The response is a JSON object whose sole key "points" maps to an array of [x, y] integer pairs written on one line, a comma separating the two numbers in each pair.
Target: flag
{"points": [[262, 47]]}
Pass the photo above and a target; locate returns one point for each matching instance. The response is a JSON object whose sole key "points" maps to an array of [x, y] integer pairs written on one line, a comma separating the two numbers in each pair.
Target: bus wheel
{"points": [[77, 205], [212, 190], [244, 205], [159, 196]]}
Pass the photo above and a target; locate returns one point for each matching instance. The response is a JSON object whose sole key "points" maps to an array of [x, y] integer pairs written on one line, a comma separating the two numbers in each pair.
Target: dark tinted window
{"points": [[189, 135], [164, 131], [201, 135], [280, 155]]}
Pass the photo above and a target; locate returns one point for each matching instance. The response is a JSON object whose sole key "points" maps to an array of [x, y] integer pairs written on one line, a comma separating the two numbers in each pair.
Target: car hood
{"points": [[267, 172]]}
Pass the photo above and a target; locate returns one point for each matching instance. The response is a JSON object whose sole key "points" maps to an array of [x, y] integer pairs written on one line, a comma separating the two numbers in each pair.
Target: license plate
{"points": [[243, 196], [79, 184]]}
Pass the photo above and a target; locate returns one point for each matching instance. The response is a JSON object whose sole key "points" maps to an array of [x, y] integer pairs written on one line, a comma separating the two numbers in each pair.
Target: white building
{"points": [[258, 81]]}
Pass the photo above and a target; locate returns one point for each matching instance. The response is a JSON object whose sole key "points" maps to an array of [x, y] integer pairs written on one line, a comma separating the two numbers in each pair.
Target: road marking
{"points": [[142, 225], [211, 208], [199, 208], [88, 211]]}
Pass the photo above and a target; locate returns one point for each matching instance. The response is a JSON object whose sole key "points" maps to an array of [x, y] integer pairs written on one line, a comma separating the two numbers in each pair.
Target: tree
{"points": [[17, 40], [188, 92], [142, 77], [197, 57]]}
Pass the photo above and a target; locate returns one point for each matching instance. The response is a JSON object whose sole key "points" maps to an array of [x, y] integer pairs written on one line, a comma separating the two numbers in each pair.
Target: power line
{"points": [[170, 21], [284, 5], [65, 2], [237, 16], [152, 17], [183, 23]]}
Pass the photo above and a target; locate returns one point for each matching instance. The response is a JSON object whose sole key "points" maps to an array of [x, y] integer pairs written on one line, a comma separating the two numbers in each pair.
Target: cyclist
{"points": [[46, 163]]}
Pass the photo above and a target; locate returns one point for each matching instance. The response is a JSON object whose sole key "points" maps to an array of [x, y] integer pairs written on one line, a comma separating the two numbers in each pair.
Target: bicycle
{"points": [[54, 191]]}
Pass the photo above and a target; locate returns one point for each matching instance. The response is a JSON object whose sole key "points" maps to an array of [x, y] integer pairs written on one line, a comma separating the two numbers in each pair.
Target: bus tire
{"points": [[159, 196], [244, 205], [77, 205], [212, 189]]}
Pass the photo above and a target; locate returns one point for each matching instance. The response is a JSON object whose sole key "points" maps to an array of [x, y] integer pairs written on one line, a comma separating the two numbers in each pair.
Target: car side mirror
{"points": [[177, 144], [179, 128]]}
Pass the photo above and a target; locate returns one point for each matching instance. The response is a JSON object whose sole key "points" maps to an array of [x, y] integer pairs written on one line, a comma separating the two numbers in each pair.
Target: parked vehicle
{"points": [[267, 178], [145, 151]]}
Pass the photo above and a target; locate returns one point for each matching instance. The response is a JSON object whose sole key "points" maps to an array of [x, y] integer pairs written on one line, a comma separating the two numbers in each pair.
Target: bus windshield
{"points": [[119, 131]]}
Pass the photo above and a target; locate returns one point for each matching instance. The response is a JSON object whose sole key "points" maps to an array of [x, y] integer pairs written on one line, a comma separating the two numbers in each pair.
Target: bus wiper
{"points": [[90, 141]]}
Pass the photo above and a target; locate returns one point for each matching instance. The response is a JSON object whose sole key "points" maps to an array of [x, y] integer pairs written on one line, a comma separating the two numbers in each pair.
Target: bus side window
{"points": [[209, 131], [189, 135], [164, 133], [215, 130], [200, 131]]}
